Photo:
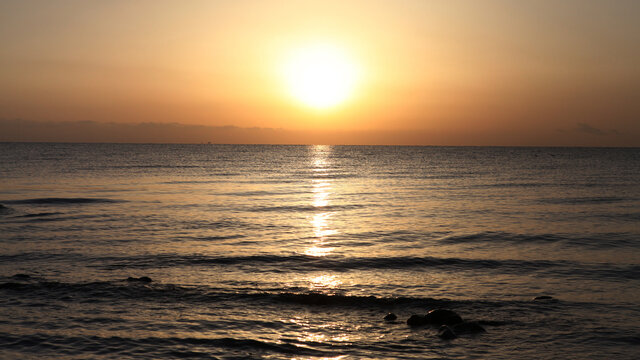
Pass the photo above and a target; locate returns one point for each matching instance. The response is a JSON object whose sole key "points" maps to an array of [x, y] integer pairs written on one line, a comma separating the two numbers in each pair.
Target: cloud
{"points": [[588, 129], [171, 133], [168, 133], [92, 131]]}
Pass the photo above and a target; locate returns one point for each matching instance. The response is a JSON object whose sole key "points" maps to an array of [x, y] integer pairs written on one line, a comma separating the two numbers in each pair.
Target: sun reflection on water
{"points": [[321, 221], [316, 250], [324, 282], [321, 192]]}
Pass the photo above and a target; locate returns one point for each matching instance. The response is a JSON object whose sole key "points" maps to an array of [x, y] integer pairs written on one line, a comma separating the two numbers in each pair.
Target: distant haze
{"points": [[89, 131], [492, 72]]}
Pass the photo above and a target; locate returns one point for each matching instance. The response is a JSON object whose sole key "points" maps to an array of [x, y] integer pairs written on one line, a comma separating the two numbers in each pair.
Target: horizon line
{"points": [[309, 144]]}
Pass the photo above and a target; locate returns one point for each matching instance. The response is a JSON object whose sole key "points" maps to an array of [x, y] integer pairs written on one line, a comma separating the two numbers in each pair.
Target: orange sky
{"points": [[442, 73]]}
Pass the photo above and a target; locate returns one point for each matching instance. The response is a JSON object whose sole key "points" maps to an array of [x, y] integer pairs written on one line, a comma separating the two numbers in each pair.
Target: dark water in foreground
{"points": [[299, 252]]}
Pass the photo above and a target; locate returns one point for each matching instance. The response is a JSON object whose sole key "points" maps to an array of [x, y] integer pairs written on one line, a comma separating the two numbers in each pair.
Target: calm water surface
{"points": [[300, 251]]}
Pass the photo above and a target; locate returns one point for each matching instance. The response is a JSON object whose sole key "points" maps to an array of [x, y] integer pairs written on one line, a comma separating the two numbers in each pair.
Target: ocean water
{"points": [[283, 252]]}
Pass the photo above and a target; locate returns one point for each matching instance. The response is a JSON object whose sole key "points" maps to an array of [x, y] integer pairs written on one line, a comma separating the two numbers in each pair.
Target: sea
{"points": [[202, 251]]}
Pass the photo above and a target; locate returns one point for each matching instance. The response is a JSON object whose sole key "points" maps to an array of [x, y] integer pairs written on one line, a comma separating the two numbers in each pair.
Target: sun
{"points": [[320, 76]]}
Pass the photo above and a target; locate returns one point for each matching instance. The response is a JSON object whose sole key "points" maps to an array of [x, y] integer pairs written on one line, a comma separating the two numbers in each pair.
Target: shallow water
{"points": [[300, 251]]}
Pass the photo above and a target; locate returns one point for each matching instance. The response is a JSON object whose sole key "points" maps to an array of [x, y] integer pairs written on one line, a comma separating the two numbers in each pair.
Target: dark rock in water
{"points": [[435, 317], [543, 297], [446, 333], [5, 210], [470, 327], [12, 286], [417, 320], [21, 277], [390, 317], [143, 279], [442, 317]]}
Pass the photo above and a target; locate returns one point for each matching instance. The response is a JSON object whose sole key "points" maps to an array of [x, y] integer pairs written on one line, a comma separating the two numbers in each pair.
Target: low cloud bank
{"points": [[91, 131], [18, 130]]}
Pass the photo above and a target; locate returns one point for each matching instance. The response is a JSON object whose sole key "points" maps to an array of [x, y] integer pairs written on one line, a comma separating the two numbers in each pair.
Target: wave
{"points": [[599, 241], [228, 224], [620, 217], [46, 217], [212, 181], [306, 208], [216, 238], [303, 263], [308, 263], [40, 290], [584, 200], [156, 347], [159, 166], [317, 298], [61, 201], [263, 193], [319, 175], [42, 214], [38, 256], [108, 291], [189, 182], [512, 185]]}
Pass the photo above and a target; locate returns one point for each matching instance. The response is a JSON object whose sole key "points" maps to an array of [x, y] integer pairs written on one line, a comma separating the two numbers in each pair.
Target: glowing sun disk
{"points": [[320, 76]]}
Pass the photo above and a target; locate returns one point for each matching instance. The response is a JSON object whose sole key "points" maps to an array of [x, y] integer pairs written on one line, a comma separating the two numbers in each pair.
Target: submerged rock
{"points": [[470, 327], [417, 320], [5, 210], [435, 317], [443, 317], [13, 286], [446, 333], [390, 317], [543, 297], [21, 277], [143, 279]]}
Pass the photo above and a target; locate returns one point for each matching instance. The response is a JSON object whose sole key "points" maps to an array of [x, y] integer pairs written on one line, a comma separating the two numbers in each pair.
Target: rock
{"points": [[470, 327], [446, 333], [13, 286], [542, 298], [5, 210], [390, 317], [21, 277], [435, 317], [143, 279], [442, 317], [417, 320]]}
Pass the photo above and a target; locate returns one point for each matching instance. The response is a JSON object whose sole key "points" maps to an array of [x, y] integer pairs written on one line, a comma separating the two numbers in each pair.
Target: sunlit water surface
{"points": [[300, 251]]}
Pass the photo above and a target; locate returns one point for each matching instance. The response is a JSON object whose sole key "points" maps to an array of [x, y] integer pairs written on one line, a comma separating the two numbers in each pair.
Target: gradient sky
{"points": [[432, 72]]}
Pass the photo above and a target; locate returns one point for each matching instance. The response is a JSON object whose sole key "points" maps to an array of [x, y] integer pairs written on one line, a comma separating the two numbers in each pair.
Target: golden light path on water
{"points": [[321, 227], [321, 221]]}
